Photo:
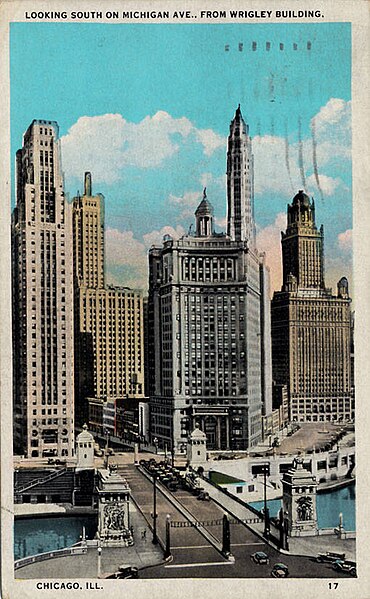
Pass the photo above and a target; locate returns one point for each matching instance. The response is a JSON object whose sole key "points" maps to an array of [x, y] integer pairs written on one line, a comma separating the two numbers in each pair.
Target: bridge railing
{"points": [[258, 513], [39, 481], [77, 549]]}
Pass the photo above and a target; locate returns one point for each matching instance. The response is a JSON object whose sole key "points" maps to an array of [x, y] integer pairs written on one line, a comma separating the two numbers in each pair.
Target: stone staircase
{"points": [[40, 481]]}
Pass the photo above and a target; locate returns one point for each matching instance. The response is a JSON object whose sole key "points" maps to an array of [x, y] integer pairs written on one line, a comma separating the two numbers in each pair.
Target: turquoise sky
{"points": [[65, 71]]}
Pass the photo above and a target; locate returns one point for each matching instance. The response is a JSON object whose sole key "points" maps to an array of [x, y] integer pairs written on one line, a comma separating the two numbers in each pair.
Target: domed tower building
{"points": [[208, 342], [311, 327]]}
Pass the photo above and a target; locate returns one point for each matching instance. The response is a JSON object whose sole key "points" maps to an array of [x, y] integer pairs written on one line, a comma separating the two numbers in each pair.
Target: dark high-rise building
{"points": [[42, 299], [204, 320], [311, 328]]}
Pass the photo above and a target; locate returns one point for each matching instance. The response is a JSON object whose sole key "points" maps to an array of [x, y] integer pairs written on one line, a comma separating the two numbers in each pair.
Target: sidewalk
{"points": [[142, 554], [309, 546], [321, 544]]}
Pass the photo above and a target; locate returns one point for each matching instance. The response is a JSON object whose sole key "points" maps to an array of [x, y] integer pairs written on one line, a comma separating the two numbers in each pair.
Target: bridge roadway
{"points": [[194, 556]]}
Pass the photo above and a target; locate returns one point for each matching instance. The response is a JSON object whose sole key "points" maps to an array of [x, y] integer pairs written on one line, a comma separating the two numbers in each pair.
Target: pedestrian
{"points": [[143, 534]]}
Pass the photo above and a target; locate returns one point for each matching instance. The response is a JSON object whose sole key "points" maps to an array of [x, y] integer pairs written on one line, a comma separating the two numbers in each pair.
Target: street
{"points": [[194, 557]]}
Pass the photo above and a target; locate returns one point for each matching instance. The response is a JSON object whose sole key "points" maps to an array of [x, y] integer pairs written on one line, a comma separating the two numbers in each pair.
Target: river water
{"points": [[328, 505], [36, 535]]}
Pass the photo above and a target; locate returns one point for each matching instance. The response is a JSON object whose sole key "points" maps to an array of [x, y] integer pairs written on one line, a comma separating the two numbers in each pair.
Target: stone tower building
{"points": [[311, 328], [42, 299]]}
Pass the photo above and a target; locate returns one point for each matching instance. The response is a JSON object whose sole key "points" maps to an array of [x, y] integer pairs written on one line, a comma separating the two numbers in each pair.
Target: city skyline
{"points": [[181, 371], [152, 148]]}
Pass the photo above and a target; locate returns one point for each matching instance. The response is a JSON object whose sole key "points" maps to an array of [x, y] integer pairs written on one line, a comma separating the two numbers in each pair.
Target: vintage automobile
{"points": [[330, 557], [345, 566], [260, 557], [203, 496], [280, 571]]}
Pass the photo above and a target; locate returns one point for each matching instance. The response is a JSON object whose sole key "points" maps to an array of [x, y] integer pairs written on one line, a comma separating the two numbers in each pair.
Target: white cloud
{"points": [[208, 179], [345, 240], [187, 203], [221, 222], [156, 237], [336, 113], [210, 140], [328, 185], [337, 267], [108, 143], [332, 135], [269, 240], [123, 249], [189, 198], [270, 171], [127, 257]]}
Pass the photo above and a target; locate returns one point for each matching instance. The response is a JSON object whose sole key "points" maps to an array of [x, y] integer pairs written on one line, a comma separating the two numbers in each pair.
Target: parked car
{"points": [[204, 496], [330, 557], [345, 566], [260, 557], [280, 571]]}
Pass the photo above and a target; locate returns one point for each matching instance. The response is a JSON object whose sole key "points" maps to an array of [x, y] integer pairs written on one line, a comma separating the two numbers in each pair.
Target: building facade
{"points": [[109, 327], [42, 299], [311, 328], [204, 320]]}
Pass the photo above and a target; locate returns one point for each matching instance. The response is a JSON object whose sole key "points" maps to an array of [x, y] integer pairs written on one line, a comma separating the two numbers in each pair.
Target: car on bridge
{"points": [[260, 557]]}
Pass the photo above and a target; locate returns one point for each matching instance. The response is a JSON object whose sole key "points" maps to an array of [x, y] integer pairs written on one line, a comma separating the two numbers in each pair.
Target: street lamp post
{"points": [[106, 448], [173, 455], [155, 442], [167, 552], [154, 514], [99, 560], [266, 531]]}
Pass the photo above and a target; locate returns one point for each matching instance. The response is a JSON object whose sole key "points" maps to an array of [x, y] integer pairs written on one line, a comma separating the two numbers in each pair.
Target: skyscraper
{"points": [[109, 328], [42, 299], [311, 328], [204, 311]]}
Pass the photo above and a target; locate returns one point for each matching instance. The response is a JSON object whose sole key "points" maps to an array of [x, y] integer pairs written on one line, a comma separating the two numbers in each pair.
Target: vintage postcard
{"points": [[184, 299]]}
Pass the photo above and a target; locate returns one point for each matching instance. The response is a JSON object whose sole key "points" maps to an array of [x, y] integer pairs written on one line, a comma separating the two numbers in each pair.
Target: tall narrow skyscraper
{"points": [[240, 184], [88, 238], [204, 313], [109, 328], [311, 328], [42, 299]]}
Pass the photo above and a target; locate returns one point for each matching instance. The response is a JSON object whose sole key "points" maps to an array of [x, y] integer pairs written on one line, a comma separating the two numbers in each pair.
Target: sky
{"points": [[146, 109]]}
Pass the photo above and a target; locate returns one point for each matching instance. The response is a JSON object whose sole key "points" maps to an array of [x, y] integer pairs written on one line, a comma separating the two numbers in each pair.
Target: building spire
{"points": [[204, 217], [240, 210], [87, 185]]}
